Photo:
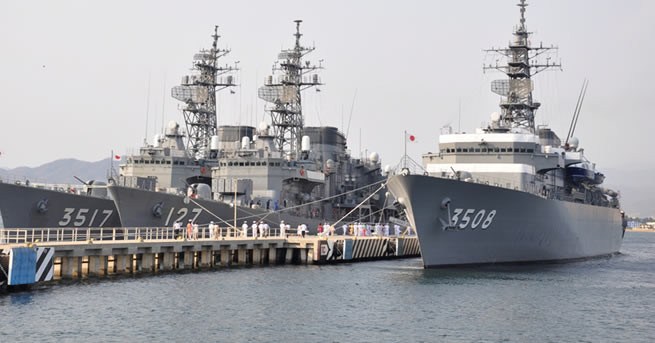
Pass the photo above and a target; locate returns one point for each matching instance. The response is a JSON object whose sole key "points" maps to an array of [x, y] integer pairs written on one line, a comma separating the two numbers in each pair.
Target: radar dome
{"points": [[574, 143], [387, 169], [495, 117], [172, 128], [374, 157], [263, 128]]}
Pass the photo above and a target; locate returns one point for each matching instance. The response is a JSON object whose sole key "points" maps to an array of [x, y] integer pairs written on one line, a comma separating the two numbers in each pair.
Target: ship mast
{"points": [[518, 107], [198, 92], [285, 94]]}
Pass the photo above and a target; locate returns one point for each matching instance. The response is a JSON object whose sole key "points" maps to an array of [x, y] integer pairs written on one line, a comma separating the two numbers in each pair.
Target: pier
{"points": [[93, 252]]}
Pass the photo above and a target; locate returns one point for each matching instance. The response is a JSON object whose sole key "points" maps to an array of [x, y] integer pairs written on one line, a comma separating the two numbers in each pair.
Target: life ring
{"points": [[302, 172]]}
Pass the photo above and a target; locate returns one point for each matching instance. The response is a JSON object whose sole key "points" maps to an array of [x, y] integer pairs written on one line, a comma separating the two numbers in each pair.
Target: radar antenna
{"points": [[522, 62], [284, 93], [198, 92]]}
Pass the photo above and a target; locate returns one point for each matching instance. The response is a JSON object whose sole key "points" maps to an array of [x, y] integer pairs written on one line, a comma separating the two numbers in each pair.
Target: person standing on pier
{"points": [[177, 229], [189, 229], [283, 229], [386, 229], [195, 230], [244, 229], [396, 229], [261, 229], [254, 229]]}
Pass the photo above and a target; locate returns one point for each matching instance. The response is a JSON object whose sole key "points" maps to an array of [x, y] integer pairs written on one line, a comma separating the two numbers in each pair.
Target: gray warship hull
{"points": [[143, 208], [19, 207], [468, 223]]}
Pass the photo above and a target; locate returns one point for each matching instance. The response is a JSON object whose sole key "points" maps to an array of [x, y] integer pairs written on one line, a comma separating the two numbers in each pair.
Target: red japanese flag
{"points": [[117, 158], [411, 137]]}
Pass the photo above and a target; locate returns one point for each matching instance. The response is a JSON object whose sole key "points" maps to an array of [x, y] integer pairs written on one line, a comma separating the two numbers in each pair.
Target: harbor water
{"points": [[608, 300]]}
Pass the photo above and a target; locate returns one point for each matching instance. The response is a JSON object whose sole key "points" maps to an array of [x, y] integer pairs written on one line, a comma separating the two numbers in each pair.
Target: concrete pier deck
{"points": [[147, 252]]}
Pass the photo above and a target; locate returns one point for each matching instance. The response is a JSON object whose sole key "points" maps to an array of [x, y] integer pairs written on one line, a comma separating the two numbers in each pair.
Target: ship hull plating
{"points": [[139, 207], [498, 225], [30, 207]]}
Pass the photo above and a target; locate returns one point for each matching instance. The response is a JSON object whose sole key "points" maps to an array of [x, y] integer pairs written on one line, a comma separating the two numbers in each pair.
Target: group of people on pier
{"points": [[261, 229]]}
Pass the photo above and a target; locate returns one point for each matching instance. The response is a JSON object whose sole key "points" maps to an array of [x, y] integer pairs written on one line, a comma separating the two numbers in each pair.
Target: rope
{"points": [[264, 215], [360, 204]]}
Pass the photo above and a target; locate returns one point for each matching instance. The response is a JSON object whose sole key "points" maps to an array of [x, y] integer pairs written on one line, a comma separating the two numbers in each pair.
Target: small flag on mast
{"points": [[117, 158], [410, 137]]}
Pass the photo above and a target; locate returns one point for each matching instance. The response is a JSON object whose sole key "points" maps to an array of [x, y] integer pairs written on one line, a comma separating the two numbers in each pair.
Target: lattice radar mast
{"points": [[198, 92], [284, 92], [517, 106]]}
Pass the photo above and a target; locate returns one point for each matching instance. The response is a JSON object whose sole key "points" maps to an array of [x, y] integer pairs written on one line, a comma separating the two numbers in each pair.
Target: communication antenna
{"points": [[198, 92], [145, 136], [284, 92], [576, 112], [522, 62]]}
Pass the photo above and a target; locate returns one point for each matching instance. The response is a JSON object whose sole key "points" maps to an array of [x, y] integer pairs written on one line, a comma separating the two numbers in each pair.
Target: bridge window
{"points": [[264, 164], [465, 150], [522, 149], [530, 151], [459, 149], [181, 163], [503, 150], [496, 149], [477, 149], [241, 164], [509, 149], [484, 149]]}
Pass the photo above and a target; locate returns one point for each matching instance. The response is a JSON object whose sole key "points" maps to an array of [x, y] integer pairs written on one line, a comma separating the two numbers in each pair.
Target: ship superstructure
{"points": [[286, 168], [546, 191]]}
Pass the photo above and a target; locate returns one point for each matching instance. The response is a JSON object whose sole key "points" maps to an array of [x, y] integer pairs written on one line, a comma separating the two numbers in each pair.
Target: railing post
{"points": [[113, 234]]}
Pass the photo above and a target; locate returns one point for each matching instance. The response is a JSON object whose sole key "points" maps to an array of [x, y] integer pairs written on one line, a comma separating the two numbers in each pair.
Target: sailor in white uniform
{"points": [[244, 229], [386, 229], [345, 229], [283, 229], [396, 229], [254, 229]]}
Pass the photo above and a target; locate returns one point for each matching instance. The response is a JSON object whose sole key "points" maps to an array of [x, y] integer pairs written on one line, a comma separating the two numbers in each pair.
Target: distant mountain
{"points": [[60, 171]]}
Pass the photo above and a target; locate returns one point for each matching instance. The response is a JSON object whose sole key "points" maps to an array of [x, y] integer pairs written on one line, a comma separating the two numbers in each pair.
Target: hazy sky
{"points": [[74, 75]]}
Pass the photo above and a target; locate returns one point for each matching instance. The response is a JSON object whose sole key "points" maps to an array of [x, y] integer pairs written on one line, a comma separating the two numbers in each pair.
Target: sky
{"points": [[80, 79]]}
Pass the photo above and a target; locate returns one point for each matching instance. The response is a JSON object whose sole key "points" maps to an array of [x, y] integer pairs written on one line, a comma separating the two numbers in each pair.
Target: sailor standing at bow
{"points": [[254, 229]]}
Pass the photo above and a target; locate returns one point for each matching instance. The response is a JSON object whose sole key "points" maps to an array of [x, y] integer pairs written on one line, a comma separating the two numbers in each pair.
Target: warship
{"points": [[510, 192], [228, 174], [25, 204]]}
